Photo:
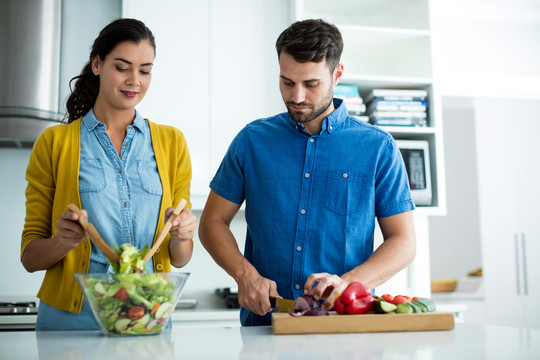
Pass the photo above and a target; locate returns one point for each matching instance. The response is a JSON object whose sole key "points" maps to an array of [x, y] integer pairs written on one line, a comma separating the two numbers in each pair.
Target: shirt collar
{"points": [[90, 122], [332, 121]]}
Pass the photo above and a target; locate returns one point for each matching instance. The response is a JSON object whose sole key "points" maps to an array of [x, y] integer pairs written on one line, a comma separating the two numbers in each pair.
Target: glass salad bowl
{"points": [[132, 304]]}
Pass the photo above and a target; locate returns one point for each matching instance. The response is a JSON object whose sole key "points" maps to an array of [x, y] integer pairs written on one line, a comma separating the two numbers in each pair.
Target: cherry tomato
{"points": [[400, 299], [136, 312], [388, 298], [416, 298], [121, 294]]}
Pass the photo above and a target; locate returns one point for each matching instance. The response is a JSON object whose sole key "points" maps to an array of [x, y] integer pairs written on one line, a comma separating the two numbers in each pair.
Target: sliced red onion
{"points": [[305, 302]]}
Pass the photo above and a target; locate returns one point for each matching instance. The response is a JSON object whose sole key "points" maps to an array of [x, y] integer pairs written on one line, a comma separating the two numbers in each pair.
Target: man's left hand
{"points": [[325, 286]]}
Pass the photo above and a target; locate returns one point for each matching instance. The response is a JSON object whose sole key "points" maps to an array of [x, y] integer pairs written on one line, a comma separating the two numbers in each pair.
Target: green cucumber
{"points": [[415, 308], [421, 305], [430, 304], [383, 307], [403, 309]]}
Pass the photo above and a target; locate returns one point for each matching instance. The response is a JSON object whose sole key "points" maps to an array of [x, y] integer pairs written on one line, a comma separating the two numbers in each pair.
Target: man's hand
{"points": [[325, 286], [254, 293]]}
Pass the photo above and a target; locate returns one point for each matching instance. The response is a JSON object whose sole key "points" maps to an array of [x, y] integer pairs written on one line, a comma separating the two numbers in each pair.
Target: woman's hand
{"points": [[183, 227], [181, 232], [69, 232]]}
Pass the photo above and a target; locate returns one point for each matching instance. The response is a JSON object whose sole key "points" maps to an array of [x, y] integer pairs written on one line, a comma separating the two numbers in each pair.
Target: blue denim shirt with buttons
{"points": [[311, 200], [121, 193]]}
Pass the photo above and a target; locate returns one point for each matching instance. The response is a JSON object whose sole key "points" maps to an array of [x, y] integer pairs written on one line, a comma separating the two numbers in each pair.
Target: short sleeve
{"points": [[392, 193], [229, 181]]}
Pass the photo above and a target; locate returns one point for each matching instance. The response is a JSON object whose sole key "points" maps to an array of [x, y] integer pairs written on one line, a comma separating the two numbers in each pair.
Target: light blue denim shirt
{"points": [[122, 194]]}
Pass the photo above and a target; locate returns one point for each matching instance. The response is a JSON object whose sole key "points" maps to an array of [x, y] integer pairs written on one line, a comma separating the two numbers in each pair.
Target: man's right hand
{"points": [[254, 293]]}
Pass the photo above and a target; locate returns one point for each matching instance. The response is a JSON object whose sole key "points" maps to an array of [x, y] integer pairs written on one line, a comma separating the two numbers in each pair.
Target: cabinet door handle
{"points": [[517, 264], [524, 252]]}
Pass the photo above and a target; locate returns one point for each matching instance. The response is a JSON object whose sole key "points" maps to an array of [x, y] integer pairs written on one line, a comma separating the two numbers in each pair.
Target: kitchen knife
{"points": [[282, 305]]}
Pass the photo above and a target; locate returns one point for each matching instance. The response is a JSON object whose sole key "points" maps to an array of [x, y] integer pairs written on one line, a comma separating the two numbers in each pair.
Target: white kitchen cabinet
{"points": [[387, 44], [216, 70], [509, 198]]}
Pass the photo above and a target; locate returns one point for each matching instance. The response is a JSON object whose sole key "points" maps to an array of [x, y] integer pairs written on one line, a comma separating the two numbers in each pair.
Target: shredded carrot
{"points": [[154, 309], [99, 298]]}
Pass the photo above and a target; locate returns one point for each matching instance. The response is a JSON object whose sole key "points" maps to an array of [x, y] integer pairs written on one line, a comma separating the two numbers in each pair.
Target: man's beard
{"points": [[307, 116]]}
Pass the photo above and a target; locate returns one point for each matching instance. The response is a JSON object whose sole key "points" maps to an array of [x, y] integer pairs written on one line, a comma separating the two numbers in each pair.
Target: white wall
{"points": [[455, 240]]}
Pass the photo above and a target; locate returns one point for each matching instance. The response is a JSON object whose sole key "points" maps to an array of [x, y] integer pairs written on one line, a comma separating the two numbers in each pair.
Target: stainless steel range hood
{"points": [[30, 35]]}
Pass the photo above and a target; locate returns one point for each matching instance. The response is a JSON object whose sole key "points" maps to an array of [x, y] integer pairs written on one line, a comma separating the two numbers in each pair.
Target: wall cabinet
{"points": [[509, 197], [216, 70]]}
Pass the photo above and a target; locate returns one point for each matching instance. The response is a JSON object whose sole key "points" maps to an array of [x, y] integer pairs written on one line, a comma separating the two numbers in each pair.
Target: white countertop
{"points": [[466, 341]]}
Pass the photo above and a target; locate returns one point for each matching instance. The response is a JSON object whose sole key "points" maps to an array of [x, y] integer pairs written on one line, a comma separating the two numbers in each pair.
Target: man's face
{"points": [[307, 88]]}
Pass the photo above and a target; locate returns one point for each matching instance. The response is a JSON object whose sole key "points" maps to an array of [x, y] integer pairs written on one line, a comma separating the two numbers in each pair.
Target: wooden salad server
{"points": [[94, 235]]}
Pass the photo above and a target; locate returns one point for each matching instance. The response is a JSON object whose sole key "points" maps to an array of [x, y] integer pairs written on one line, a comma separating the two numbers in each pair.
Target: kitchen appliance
{"points": [[30, 63], [18, 308], [416, 157], [230, 295]]}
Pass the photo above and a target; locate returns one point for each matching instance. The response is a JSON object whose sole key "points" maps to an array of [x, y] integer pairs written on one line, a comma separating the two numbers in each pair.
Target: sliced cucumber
{"points": [[383, 307], [121, 325], [421, 305], [137, 324], [403, 309], [163, 310]]}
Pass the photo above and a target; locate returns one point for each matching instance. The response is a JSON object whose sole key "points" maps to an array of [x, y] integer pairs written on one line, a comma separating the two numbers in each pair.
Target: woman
{"points": [[125, 171]]}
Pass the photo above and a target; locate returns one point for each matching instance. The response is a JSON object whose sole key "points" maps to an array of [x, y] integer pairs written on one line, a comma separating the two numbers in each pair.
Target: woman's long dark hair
{"points": [[83, 95]]}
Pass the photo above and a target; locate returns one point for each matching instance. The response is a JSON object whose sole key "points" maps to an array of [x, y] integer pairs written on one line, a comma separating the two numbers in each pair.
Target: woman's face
{"points": [[125, 75]]}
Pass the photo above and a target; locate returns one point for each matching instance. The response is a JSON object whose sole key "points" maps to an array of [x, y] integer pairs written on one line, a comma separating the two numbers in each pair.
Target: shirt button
{"points": [[125, 204], [120, 171], [311, 140], [297, 287], [302, 211], [298, 248], [158, 250], [306, 175], [159, 267], [128, 240], [345, 175], [331, 127]]}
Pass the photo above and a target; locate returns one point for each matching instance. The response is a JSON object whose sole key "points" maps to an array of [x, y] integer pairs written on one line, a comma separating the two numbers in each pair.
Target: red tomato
{"points": [[136, 312], [416, 298], [121, 294], [359, 306], [400, 299], [339, 306], [388, 298]]}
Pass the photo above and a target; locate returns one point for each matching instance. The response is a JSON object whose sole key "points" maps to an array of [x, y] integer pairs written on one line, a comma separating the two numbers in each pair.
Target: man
{"points": [[314, 180]]}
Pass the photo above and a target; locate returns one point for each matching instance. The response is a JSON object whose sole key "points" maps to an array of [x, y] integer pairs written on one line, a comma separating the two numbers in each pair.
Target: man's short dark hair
{"points": [[312, 40]]}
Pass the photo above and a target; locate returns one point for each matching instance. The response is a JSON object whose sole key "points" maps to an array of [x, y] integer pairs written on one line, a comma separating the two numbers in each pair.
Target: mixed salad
{"points": [[131, 302]]}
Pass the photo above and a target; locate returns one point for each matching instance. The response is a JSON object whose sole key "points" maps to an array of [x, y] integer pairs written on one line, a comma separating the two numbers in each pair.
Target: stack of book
{"points": [[392, 107], [353, 101]]}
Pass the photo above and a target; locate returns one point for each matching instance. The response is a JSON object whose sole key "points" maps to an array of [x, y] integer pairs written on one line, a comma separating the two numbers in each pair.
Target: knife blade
{"points": [[282, 305]]}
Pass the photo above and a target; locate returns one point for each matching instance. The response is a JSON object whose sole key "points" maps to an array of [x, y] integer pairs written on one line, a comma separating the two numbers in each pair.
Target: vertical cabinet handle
{"points": [[517, 264], [524, 259]]}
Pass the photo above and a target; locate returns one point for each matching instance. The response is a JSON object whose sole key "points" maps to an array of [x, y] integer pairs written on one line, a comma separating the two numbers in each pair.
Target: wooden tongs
{"points": [[165, 229], [94, 235]]}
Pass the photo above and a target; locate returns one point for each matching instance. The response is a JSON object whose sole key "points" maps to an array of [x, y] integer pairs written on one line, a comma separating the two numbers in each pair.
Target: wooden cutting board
{"points": [[283, 323]]}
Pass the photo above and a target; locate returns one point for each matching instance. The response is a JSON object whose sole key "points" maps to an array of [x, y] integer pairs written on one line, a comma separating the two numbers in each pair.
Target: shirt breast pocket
{"points": [[149, 177], [345, 191], [91, 176]]}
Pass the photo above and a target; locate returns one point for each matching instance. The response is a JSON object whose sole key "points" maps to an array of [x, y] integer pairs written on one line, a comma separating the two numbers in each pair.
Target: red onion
{"points": [[307, 305]]}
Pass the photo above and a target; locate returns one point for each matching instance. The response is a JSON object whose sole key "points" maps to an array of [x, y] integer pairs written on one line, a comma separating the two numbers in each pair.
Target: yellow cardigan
{"points": [[53, 183]]}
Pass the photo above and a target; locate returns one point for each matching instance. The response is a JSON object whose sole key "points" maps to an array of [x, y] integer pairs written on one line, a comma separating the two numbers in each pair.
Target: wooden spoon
{"points": [[166, 229], [94, 235]]}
